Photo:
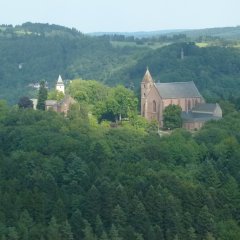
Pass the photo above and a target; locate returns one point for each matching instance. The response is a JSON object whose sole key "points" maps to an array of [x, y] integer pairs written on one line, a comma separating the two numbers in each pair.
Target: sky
{"points": [[123, 15]]}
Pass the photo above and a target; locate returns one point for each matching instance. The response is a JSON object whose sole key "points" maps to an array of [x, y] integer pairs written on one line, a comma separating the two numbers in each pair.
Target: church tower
{"points": [[146, 85], [60, 85]]}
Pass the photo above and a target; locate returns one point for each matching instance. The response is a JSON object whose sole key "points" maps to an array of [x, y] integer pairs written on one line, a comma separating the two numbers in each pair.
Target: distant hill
{"points": [[33, 52], [139, 34], [230, 33]]}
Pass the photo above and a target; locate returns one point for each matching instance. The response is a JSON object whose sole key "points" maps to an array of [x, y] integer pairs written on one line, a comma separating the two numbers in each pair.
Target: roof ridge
{"points": [[175, 90], [174, 82]]}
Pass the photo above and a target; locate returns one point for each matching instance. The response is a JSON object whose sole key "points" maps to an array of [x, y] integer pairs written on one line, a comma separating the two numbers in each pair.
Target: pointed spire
{"points": [[59, 79], [147, 77]]}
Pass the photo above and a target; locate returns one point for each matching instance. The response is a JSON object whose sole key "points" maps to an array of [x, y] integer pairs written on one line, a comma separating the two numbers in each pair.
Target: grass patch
{"points": [[202, 44], [152, 45]]}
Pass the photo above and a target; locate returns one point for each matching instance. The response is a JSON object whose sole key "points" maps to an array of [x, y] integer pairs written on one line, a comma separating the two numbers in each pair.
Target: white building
{"points": [[60, 85]]}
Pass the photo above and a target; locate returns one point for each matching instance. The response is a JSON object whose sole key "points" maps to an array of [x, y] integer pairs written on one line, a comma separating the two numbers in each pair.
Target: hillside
{"points": [[215, 70], [33, 52]]}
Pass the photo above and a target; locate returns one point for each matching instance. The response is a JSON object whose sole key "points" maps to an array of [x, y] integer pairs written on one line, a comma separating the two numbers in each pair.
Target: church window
{"points": [[189, 105], [196, 102], [154, 106]]}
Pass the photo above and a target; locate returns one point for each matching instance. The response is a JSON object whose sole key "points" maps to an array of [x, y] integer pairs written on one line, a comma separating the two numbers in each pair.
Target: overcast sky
{"points": [[123, 15]]}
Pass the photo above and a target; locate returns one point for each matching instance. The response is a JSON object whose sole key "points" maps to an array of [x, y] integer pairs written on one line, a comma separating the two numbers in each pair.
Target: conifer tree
{"points": [[12, 234], [42, 96], [119, 218], [99, 226], [53, 230], [92, 204], [66, 231], [104, 236], [24, 224], [88, 231], [191, 234], [139, 236], [77, 223], [114, 235]]}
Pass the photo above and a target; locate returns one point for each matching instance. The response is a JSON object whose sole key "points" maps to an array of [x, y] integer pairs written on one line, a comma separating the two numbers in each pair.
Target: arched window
{"points": [[143, 110], [154, 106], [189, 105], [196, 102]]}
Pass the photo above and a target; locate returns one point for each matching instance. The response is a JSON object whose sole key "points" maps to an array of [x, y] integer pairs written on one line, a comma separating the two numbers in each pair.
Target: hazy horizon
{"points": [[124, 16]]}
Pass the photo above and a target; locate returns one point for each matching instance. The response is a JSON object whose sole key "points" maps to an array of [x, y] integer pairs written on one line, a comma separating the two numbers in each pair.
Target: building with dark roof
{"points": [[155, 97]]}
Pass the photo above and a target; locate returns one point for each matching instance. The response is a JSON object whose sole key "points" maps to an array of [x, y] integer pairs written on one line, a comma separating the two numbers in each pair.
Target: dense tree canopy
{"points": [[72, 179]]}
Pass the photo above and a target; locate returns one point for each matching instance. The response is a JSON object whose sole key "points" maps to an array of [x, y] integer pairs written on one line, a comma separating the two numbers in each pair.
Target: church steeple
{"points": [[146, 85], [147, 77], [60, 85]]}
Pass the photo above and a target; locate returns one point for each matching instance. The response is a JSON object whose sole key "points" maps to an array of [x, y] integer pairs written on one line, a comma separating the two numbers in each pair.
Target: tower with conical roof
{"points": [[146, 85], [60, 85]]}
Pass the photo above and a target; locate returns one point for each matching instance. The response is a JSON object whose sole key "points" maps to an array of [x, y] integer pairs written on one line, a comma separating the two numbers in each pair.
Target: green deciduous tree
{"points": [[172, 117], [25, 102], [55, 95], [119, 104]]}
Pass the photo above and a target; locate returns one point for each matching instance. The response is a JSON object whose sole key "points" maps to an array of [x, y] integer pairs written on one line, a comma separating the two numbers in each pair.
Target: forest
{"points": [[103, 172], [86, 177], [76, 179]]}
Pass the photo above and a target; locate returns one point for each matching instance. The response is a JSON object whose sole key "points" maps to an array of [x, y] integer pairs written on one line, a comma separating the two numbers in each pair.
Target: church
{"points": [[155, 97], [62, 106]]}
